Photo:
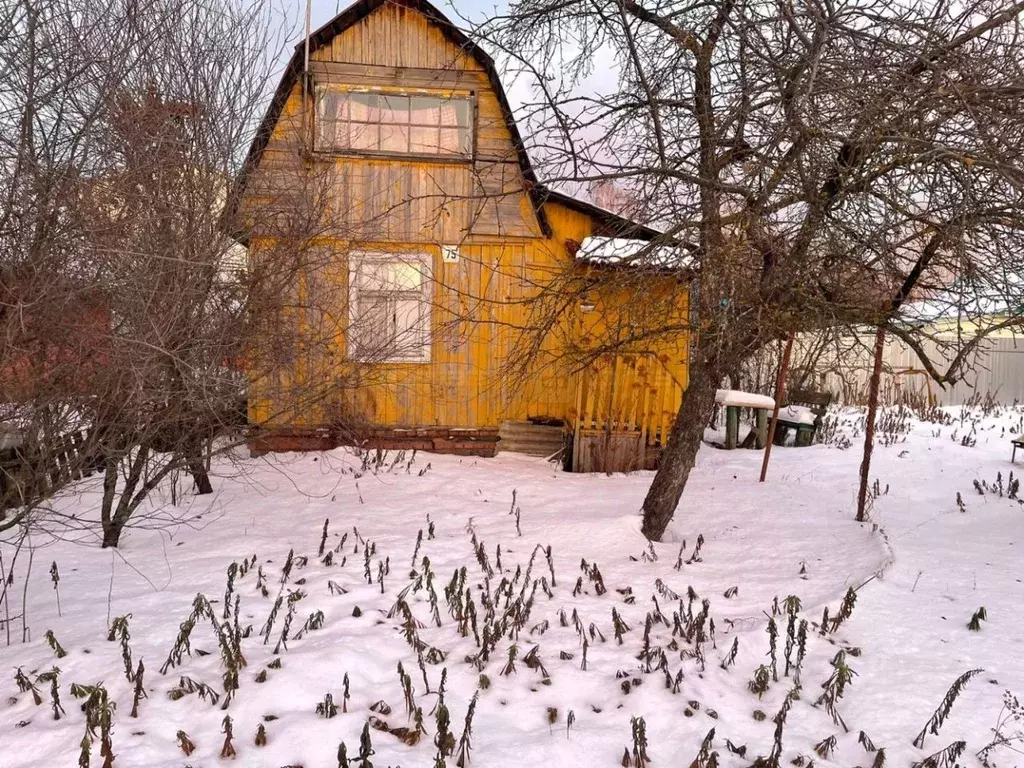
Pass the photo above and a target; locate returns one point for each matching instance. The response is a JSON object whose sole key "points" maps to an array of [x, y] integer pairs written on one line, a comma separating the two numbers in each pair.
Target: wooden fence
{"points": [[33, 471], [997, 370], [625, 406]]}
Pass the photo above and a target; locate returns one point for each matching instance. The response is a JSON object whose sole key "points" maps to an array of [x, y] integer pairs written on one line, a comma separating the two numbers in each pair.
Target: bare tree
{"points": [[131, 315], [822, 165]]}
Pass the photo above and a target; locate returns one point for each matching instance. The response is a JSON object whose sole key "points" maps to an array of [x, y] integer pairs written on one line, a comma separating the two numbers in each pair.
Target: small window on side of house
{"points": [[389, 306]]}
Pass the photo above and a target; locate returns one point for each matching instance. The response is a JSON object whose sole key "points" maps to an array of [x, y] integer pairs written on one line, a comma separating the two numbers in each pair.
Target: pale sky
{"points": [[517, 89], [323, 11]]}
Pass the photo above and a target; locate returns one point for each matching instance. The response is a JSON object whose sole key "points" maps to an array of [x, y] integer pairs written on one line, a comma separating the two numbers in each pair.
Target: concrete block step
{"points": [[531, 439], [541, 452], [523, 445]]}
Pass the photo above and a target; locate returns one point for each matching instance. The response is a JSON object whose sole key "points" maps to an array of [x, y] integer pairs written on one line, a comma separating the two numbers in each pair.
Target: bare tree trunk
{"points": [[197, 468], [735, 378], [109, 494], [679, 456], [112, 534], [114, 524], [869, 430]]}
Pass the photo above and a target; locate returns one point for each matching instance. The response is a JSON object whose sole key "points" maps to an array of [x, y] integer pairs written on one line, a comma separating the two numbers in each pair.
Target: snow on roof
{"points": [[948, 308], [638, 253], [968, 299]]}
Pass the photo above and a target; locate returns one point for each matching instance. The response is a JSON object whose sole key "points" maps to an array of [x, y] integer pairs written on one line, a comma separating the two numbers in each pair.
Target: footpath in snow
{"points": [[577, 640]]}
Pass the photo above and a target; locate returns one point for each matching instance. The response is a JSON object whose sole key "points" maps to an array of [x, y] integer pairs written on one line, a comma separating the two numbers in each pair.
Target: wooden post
{"points": [[578, 423], [780, 389], [605, 458], [762, 427], [732, 426], [804, 435], [82, 468], [869, 431], [8, 466], [645, 416], [307, 122]]}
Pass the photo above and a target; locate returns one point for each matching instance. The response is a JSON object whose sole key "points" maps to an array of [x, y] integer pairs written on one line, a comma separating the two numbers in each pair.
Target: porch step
{"points": [[529, 438]]}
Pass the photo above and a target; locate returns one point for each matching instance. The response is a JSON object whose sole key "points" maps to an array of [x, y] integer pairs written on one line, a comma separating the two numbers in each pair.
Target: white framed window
{"points": [[389, 307], [387, 123]]}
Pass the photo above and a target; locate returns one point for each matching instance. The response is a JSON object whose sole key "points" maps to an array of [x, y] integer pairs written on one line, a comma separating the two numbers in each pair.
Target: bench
{"points": [[1018, 442], [817, 403]]}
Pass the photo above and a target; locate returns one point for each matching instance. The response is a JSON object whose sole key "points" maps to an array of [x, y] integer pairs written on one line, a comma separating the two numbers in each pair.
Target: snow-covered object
{"points": [[743, 399], [10, 438], [797, 414], [640, 253], [964, 303]]}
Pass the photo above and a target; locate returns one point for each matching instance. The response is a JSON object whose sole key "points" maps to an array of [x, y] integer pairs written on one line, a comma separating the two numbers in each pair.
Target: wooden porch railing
{"points": [[630, 399]]}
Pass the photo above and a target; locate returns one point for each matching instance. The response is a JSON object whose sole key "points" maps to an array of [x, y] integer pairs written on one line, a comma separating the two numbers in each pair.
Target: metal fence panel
{"points": [[996, 371]]}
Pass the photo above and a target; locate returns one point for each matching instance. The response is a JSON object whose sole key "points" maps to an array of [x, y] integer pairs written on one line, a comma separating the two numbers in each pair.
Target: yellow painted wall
{"points": [[482, 301]]}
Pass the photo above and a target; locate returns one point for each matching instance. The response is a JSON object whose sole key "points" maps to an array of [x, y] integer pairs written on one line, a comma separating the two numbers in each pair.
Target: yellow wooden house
{"points": [[440, 234]]}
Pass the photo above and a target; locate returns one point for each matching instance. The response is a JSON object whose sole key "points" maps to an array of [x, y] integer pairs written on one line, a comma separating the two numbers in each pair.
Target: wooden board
{"points": [[608, 452]]}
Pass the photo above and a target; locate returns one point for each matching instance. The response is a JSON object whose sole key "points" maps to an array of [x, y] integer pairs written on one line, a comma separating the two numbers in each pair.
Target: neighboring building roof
{"points": [[956, 304], [354, 14], [635, 252]]}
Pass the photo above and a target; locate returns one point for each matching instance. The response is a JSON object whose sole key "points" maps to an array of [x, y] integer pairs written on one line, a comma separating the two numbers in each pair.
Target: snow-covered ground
{"points": [[920, 569]]}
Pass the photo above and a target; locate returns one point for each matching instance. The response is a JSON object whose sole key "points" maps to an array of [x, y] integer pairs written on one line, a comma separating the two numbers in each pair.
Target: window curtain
{"points": [[378, 122]]}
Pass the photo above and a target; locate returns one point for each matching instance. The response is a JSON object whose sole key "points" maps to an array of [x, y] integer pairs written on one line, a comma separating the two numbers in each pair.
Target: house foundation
{"points": [[460, 441]]}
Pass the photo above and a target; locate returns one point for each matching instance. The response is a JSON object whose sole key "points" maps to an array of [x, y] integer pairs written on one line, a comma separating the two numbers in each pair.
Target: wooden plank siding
{"points": [[396, 46], [416, 205]]}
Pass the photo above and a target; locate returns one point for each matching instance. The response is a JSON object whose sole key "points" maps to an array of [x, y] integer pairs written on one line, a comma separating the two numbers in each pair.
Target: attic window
{"points": [[393, 123]]}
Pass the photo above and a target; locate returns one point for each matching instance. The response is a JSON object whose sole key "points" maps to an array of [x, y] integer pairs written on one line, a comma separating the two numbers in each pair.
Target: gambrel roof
{"points": [[538, 193]]}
